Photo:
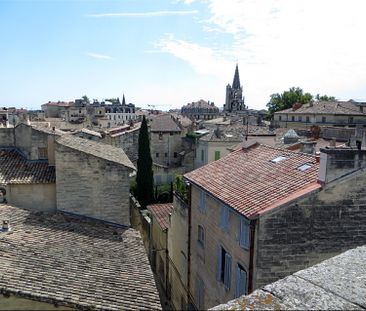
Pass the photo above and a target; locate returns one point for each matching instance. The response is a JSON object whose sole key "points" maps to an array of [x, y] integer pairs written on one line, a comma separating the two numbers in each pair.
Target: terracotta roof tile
{"points": [[75, 262], [164, 123], [14, 169], [161, 212], [250, 183], [104, 151]]}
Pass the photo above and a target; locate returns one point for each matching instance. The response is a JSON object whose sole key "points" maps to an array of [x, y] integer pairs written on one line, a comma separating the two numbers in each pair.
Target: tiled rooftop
{"points": [[14, 169], [327, 107], [104, 151], [164, 123], [222, 136], [75, 262], [248, 180], [161, 213], [338, 283]]}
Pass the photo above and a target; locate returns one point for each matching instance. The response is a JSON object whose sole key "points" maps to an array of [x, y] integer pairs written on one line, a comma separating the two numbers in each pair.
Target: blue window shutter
{"points": [[202, 204], [243, 282], [237, 289], [218, 268], [224, 217], [227, 272], [244, 233]]}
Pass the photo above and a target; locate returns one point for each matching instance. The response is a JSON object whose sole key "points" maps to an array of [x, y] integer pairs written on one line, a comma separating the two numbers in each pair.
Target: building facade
{"points": [[200, 110]]}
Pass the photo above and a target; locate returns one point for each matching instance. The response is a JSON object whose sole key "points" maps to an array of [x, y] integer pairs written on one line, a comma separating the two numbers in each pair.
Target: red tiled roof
{"points": [[250, 183], [161, 212], [14, 169]]}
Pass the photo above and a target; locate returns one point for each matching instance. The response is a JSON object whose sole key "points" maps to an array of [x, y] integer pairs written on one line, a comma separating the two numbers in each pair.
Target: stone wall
{"points": [[91, 186], [6, 137], [35, 197], [29, 140], [165, 148], [303, 233]]}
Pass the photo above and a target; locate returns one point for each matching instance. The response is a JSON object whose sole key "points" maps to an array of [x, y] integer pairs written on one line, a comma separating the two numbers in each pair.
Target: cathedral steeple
{"points": [[123, 100], [236, 81]]}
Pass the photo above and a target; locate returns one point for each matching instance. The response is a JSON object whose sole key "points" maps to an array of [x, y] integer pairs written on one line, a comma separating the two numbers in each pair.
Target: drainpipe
{"points": [[251, 254], [166, 265]]}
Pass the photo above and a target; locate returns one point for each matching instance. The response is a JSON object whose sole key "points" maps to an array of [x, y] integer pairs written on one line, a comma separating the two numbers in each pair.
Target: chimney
{"points": [[6, 225], [308, 146]]}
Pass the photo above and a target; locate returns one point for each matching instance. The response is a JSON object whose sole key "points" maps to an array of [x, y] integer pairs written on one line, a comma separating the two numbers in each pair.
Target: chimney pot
{"points": [[6, 225]]}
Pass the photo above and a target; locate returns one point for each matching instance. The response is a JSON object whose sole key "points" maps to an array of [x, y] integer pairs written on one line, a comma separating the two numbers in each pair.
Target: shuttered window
{"points": [[202, 203], [244, 233], [241, 281], [224, 218], [200, 294], [223, 272]]}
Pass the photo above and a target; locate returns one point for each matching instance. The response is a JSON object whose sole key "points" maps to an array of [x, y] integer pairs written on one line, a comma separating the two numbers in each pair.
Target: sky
{"points": [[167, 53]]}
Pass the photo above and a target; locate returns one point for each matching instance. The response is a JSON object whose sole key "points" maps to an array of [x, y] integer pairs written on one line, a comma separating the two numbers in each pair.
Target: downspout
{"points": [[251, 254], [189, 244]]}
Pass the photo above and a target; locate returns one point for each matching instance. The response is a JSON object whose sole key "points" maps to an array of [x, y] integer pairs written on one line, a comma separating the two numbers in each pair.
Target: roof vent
{"points": [[6, 226], [278, 159]]}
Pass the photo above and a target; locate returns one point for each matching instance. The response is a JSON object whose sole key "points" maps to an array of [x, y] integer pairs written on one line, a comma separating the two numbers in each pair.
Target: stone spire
{"points": [[236, 81], [123, 100]]}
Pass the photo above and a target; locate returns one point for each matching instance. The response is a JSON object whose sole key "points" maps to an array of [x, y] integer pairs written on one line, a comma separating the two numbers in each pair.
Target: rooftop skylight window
{"points": [[278, 159], [304, 167]]}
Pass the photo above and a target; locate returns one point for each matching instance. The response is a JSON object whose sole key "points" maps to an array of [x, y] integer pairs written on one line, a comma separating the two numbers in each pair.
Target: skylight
{"points": [[278, 159], [304, 167]]}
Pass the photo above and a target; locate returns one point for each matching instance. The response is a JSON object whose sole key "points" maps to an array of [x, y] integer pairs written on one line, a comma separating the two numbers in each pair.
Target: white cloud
{"points": [[99, 56], [145, 14], [316, 45]]}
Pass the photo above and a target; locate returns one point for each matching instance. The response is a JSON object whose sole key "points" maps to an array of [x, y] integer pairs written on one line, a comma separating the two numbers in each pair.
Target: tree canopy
{"points": [[145, 175], [294, 95], [85, 99]]}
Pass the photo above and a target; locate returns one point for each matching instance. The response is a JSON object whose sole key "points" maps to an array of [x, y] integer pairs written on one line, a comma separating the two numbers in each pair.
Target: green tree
{"points": [[287, 99], [145, 175], [85, 99], [326, 98]]}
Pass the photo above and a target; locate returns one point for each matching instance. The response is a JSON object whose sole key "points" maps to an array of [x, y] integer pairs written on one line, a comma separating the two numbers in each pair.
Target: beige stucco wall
{"points": [[204, 260], [39, 197], [177, 247]]}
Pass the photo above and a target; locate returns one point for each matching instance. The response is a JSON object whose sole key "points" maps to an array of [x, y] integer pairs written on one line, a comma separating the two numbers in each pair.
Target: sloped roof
{"points": [[222, 135], [14, 169], [75, 262], [104, 151], [335, 284], [161, 213], [291, 134], [164, 123], [249, 182], [326, 107]]}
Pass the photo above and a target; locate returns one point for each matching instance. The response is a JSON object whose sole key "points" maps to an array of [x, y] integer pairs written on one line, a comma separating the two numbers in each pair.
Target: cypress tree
{"points": [[145, 175]]}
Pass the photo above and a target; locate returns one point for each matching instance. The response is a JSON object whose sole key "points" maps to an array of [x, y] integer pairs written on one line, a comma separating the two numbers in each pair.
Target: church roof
{"points": [[236, 81]]}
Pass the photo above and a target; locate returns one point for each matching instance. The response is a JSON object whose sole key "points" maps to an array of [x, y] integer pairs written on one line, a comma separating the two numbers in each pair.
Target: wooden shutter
{"points": [[227, 271], [241, 282], [244, 233]]}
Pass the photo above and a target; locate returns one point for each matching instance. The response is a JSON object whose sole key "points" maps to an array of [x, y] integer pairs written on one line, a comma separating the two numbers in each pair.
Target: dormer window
{"points": [[278, 159]]}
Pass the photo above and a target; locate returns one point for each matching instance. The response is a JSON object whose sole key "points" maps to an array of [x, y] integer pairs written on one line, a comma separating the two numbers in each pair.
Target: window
{"points": [[217, 155], [293, 118], [201, 236], [300, 118], [279, 118], [244, 233], [350, 120], [200, 292], [171, 133], [166, 154], [202, 203], [241, 281], [224, 218], [278, 159], [324, 119], [202, 155], [42, 153], [307, 119], [223, 272], [304, 167], [175, 154], [157, 155], [160, 134]]}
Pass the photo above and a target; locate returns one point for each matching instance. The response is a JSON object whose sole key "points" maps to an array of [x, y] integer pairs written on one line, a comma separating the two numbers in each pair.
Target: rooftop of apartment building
{"points": [[15, 169], [335, 284], [327, 107], [161, 213], [257, 178], [74, 261]]}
